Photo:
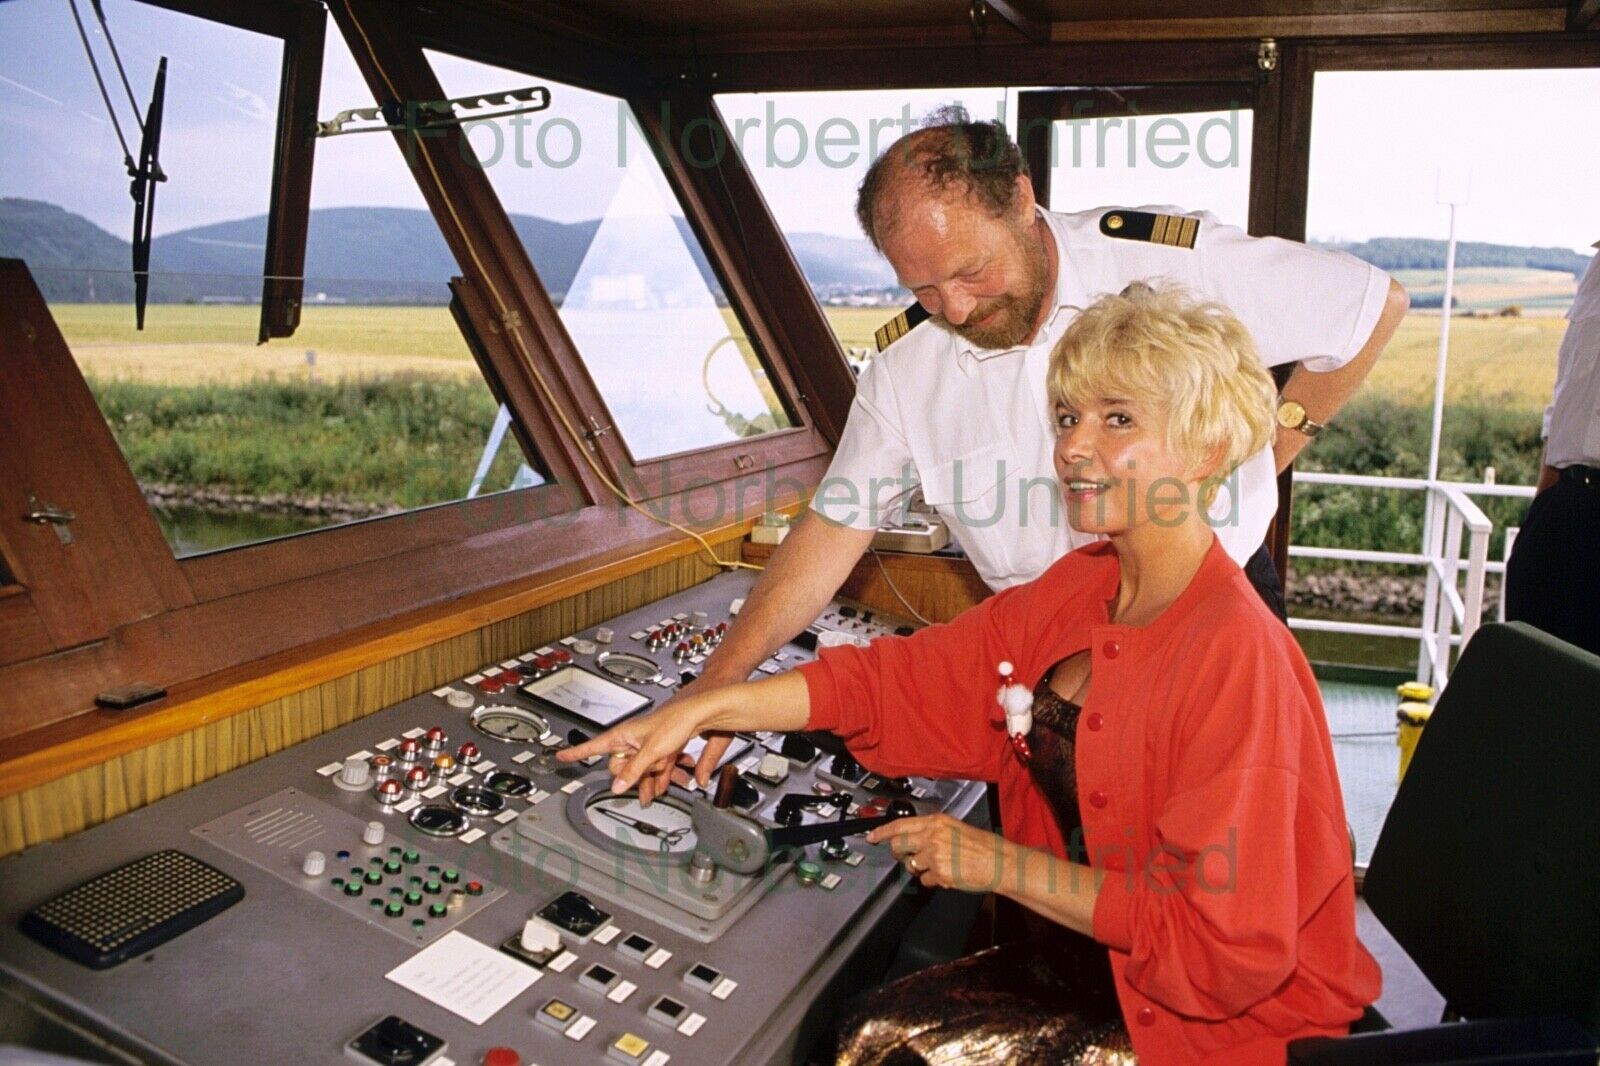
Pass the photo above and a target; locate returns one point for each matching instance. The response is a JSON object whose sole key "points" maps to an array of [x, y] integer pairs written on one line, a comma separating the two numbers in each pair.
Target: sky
{"points": [[1526, 143]]}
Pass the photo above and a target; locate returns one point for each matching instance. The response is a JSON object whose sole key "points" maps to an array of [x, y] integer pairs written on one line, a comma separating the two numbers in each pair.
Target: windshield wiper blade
{"points": [[143, 190]]}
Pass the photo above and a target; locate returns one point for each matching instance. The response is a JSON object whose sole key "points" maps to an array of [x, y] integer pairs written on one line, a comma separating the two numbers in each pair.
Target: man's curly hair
{"points": [[948, 151]]}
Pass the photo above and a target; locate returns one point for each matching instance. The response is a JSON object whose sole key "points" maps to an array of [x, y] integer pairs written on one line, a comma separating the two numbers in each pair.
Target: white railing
{"points": [[1452, 605]]}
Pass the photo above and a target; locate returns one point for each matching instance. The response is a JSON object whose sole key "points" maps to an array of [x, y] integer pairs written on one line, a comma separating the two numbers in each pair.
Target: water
{"points": [[195, 530]]}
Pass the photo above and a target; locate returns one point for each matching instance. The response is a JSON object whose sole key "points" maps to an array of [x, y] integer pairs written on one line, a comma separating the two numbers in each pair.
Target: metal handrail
{"points": [[1451, 614]]}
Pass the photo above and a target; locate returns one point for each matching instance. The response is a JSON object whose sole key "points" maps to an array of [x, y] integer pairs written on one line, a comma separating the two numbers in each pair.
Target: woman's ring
{"points": [[911, 864]]}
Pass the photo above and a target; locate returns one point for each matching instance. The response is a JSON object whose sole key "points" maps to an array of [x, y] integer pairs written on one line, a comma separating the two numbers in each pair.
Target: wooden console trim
{"points": [[938, 587], [52, 752]]}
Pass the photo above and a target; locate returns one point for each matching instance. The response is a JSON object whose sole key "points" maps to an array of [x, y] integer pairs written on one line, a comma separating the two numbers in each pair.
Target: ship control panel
{"points": [[429, 885]]}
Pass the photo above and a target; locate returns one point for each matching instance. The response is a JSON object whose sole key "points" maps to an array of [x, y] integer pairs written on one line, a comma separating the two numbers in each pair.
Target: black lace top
{"points": [[1053, 741]]}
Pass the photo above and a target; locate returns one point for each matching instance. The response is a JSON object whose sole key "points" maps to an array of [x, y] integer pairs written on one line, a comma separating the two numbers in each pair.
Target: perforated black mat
{"points": [[132, 909]]}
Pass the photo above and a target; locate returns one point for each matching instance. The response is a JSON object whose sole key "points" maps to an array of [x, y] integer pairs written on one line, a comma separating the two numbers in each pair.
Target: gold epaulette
{"points": [[1176, 230], [900, 325]]}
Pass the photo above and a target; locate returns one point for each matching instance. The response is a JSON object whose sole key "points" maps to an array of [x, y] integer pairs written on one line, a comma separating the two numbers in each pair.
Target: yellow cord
{"points": [[513, 328]]}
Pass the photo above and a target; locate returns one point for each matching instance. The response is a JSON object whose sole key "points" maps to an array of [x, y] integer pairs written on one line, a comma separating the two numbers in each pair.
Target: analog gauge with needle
{"points": [[664, 826], [511, 724], [625, 666]]}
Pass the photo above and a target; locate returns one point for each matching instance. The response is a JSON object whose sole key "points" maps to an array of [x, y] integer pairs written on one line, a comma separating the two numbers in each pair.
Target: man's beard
{"points": [[1015, 313]]}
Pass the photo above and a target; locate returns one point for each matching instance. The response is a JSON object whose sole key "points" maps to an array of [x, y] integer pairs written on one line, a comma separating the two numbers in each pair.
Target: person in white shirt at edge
{"points": [[958, 403], [1553, 576]]}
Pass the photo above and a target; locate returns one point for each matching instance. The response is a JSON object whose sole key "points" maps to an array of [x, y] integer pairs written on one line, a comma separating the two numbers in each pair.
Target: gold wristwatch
{"points": [[1291, 415]]}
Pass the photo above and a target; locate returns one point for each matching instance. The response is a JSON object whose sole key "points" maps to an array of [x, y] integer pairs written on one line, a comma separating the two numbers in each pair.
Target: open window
{"points": [[675, 384]]}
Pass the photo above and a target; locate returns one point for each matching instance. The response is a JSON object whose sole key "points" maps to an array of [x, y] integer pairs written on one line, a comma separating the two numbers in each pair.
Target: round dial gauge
{"points": [[475, 799], [511, 724], [438, 821], [625, 666], [665, 826], [509, 784]]}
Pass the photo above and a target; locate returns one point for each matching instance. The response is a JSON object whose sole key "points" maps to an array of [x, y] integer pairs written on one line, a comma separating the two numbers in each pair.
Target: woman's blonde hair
{"points": [[1193, 358]]}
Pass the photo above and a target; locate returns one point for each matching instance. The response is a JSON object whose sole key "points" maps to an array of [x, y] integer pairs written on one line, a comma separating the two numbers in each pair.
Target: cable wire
{"points": [[513, 328], [127, 154]]}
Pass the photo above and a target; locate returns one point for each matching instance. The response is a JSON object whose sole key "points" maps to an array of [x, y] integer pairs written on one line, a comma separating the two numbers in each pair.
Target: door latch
{"points": [[49, 514]]}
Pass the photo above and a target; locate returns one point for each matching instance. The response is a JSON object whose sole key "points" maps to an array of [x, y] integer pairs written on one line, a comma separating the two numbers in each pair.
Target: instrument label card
{"points": [[464, 976]]}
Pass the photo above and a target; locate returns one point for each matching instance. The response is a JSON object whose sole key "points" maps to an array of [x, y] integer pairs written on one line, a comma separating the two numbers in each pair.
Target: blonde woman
{"points": [[1169, 799]]}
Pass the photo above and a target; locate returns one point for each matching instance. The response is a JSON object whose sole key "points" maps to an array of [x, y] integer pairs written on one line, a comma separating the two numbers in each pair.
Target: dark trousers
{"points": [[1264, 576], [1553, 576]]}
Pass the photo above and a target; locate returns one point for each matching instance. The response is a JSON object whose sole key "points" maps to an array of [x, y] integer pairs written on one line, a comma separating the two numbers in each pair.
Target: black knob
{"points": [[798, 748], [901, 809], [745, 795], [845, 768], [576, 737]]}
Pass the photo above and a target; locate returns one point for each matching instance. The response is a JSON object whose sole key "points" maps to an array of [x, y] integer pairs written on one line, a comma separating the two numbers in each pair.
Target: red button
{"points": [[1145, 1016], [1098, 799], [1095, 721], [474, 888], [1112, 649], [491, 684], [501, 1056]]}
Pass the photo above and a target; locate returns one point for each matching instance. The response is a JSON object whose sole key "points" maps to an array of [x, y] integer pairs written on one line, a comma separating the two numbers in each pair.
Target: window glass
{"points": [[645, 309], [1198, 161], [1515, 152], [807, 152], [374, 406]]}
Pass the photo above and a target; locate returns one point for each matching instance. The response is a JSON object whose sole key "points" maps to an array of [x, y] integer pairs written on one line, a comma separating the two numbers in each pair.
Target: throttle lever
{"points": [[800, 835]]}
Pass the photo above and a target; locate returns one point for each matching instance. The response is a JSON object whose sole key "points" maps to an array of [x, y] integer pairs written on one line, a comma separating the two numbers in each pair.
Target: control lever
{"points": [[738, 842]]}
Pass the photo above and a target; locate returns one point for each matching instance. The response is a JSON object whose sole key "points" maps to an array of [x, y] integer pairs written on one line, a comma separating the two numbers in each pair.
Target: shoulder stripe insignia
{"points": [[1179, 231], [900, 325]]}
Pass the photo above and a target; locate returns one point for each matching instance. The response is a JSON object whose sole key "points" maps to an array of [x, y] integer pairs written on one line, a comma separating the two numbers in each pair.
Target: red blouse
{"points": [[1206, 781]]}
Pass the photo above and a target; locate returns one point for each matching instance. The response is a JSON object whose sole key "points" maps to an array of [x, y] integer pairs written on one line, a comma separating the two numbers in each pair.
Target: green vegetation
{"points": [[398, 414], [1383, 437], [398, 442]]}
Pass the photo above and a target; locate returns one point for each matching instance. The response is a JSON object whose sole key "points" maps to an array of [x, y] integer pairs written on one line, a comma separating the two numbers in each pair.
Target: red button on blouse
{"points": [[1145, 1016], [1112, 649], [1098, 799], [1095, 721]]}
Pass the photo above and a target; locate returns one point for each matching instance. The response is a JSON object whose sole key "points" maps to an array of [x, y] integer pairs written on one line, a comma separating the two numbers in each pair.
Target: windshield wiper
{"points": [[143, 190]]}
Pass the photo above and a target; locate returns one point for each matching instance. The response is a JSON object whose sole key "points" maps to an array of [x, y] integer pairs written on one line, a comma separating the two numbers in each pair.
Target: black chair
{"points": [[1487, 871]]}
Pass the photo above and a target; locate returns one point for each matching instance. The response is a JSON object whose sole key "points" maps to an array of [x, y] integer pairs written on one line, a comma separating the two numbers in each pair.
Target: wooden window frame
{"points": [[301, 26], [656, 477]]}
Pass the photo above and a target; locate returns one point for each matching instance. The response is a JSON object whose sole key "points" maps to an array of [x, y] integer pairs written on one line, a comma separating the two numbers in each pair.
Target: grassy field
{"points": [[1504, 362]]}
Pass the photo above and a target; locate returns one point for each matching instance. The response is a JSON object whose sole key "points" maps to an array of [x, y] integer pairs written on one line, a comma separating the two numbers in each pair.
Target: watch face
{"points": [[1290, 414], [665, 826]]}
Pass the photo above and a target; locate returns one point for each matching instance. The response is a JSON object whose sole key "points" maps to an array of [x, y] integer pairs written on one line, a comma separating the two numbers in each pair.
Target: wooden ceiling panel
{"points": [[651, 19]]}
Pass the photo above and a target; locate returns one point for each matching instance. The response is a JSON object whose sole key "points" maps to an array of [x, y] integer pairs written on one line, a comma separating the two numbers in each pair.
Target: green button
{"points": [[374, 877], [433, 870], [418, 923], [394, 849], [338, 882], [412, 855], [414, 881], [413, 898], [376, 860], [357, 872], [392, 866], [352, 888], [451, 876], [436, 910], [397, 892], [432, 888], [808, 872], [375, 901], [394, 910]]}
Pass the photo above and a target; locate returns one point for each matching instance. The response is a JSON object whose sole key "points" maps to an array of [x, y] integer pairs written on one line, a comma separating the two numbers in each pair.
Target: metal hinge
{"points": [[595, 432], [49, 514]]}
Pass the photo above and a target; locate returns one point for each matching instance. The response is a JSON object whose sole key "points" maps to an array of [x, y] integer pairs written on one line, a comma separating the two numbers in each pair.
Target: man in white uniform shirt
{"points": [[1553, 577], [958, 404]]}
